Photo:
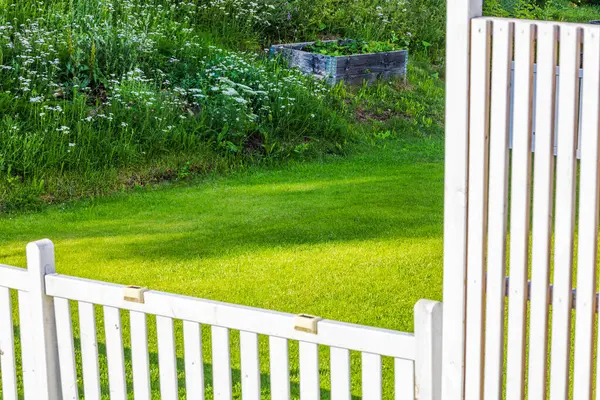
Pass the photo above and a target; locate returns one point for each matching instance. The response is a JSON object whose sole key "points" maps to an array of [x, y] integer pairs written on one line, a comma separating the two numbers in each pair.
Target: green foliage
{"points": [[87, 87], [272, 21], [346, 47]]}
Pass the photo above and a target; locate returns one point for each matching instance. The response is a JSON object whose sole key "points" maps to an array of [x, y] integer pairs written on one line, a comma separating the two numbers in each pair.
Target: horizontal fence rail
{"points": [[265, 322], [71, 357]]}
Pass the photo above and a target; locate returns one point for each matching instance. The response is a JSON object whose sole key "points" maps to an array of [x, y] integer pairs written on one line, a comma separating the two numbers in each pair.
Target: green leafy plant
{"points": [[346, 47]]}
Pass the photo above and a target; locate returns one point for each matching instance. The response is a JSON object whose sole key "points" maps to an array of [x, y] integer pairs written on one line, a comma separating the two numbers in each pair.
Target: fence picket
{"points": [[114, 353], [309, 371], [167, 359], [66, 351], [279, 367], [588, 218], [371, 376], [139, 355], [194, 365], [250, 365], [497, 208], [340, 373], [542, 209], [568, 106], [221, 363], [7, 347], [89, 351], [477, 198], [404, 380], [520, 207]]}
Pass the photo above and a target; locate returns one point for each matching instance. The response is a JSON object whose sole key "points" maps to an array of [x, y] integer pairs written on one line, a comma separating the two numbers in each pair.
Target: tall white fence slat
{"points": [[520, 207], [404, 381], [89, 351], [543, 193], [66, 350], [7, 347], [194, 364], [497, 208], [371, 376], [340, 373], [588, 218], [250, 366], [114, 354], [27, 353], [139, 355], [568, 107], [310, 387], [279, 366], [221, 362], [477, 217], [167, 359]]}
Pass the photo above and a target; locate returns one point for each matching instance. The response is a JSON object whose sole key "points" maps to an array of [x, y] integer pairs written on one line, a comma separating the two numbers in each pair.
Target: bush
{"points": [[87, 87]]}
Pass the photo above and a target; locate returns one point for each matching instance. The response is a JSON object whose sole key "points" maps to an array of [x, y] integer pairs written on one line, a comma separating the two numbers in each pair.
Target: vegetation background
{"points": [[110, 95]]}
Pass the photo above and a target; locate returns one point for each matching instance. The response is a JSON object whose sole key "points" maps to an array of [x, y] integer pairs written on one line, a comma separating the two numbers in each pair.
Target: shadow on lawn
{"points": [[339, 212]]}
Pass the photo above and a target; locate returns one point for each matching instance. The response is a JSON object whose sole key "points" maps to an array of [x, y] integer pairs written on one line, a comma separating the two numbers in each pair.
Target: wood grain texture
{"points": [[351, 69]]}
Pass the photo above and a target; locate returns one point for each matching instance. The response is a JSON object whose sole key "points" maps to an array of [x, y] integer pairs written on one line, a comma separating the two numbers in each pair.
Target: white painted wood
{"points": [[89, 351], [520, 208], [497, 208], [250, 366], [139, 355], [588, 217], [194, 364], [221, 361], [66, 350], [428, 334], [264, 322], [279, 368], [7, 347], [459, 14], [340, 373], [477, 198], [570, 44], [114, 354], [405, 387], [27, 354], [167, 359], [40, 262], [371, 377], [13, 278], [543, 193], [310, 387]]}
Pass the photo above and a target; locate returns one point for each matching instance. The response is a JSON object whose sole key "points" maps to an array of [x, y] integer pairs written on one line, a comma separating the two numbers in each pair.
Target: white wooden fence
{"points": [[556, 111], [49, 364], [493, 348]]}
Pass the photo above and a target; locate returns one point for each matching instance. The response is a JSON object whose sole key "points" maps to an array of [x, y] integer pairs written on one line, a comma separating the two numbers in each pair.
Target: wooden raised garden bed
{"points": [[351, 69]]}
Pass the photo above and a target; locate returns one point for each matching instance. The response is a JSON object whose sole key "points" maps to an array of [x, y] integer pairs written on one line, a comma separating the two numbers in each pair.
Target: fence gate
{"points": [[510, 248]]}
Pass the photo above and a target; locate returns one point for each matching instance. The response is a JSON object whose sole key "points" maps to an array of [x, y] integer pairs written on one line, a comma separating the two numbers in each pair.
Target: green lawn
{"points": [[356, 239]]}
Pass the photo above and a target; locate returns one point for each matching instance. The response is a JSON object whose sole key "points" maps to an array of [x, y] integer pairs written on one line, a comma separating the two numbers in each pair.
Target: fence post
{"points": [[428, 363], [46, 374]]}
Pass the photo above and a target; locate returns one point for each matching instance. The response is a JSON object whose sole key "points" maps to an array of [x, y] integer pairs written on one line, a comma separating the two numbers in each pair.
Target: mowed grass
{"points": [[356, 239]]}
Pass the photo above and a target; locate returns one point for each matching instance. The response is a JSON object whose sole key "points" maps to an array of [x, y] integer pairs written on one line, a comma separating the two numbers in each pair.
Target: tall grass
{"points": [[90, 86]]}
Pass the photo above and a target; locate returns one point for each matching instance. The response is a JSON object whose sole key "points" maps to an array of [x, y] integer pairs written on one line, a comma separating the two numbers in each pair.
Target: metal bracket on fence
{"points": [[306, 323], [551, 293], [134, 294]]}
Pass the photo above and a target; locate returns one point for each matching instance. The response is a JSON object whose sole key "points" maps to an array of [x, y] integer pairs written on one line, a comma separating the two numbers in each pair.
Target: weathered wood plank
{"points": [[352, 69]]}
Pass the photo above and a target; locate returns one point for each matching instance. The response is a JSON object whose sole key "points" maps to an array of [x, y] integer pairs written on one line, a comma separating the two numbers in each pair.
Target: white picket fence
{"points": [[49, 362]]}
